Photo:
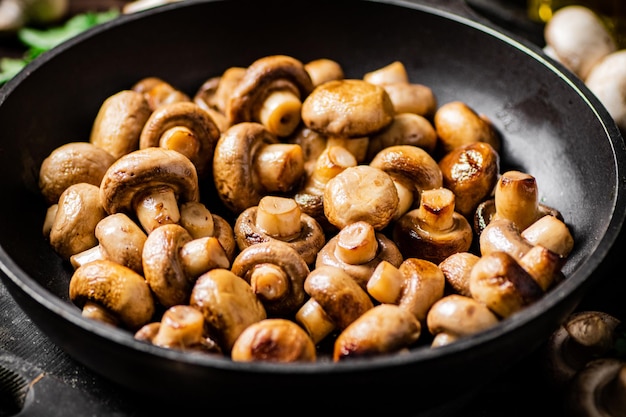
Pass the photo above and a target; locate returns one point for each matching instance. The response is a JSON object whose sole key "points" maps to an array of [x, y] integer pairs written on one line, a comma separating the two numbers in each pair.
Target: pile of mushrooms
{"points": [[356, 218]]}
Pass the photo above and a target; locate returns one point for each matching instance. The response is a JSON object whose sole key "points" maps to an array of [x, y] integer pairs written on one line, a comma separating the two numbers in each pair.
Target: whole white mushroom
{"points": [[607, 80]]}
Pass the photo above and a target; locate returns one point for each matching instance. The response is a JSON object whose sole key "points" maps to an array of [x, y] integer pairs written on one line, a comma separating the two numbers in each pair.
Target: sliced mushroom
{"points": [[250, 163], [186, 128], [150, 183], [499, 282], [173, 260], [347, 108], [412, 170], [456, 316], [405, 129], [120, 240], [274, 340], [382, 330], [119, 121], [78, 212], [471, 171], [280, 219], [358, 249], [359, 193], [116, 289], [270, 92], [69, 164], [336, 300], [228, 305], [457, 124], [276, 273], [434, 230]]}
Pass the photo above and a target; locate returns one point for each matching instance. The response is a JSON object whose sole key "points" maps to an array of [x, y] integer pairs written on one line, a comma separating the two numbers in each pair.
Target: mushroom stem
{"points": [[197, 219], [269, 282], [181, 139], [437, 209], [280, 112], [181, 326], [201, 255], [356, 146], [315, 321], [357, 243], [95, 311], [551, 233], [279, 217], [386, 283], [279, 166], [516, 198], [157, 208]]}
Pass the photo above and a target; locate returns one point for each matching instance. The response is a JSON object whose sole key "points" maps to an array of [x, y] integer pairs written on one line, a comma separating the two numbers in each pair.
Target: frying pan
{"points": [[551, 125]]}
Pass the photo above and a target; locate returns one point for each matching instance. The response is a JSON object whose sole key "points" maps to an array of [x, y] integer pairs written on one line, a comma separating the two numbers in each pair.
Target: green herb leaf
{"points": [[9, 67]]}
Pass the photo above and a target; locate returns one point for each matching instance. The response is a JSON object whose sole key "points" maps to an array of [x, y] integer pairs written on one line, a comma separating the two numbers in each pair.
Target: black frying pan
{"points": [[552, 127]]}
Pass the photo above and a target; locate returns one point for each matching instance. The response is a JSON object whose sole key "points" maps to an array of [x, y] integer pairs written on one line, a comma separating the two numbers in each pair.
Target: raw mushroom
{"points": [[69, 164], [359, 193], [347, 108], [471, 171], [583, 336], [457, 124], [412, 169], [336, 300], [598, 390], [323, 70], [173, 260], [120, 240], [150, 183], [499, 281], [358, 249], [434, 230], [280, 219], [228, 305], [105, 288], [456, 316], [405, 129], [72, 229], [274, 340], [159, 92], [607, 80], [250, 163], [382, 330], [271, 93], [186, 128], [181, 327], [276, 273], [119, 121], [576, 37]]}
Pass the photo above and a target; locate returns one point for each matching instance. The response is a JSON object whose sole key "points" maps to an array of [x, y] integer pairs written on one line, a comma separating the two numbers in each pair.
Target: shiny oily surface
{"points": [[552, 127]]}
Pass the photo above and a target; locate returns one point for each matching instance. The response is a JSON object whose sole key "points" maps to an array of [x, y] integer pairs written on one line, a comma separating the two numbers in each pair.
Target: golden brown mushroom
{"points": [[150, 183], [434, 230], [455, 316], [72, 228], [471, 171], [347, 108], [158, 92], [359, 193], [270, 92], [280, 219], [228, 305], [336, 300], [358, 249], [412, 170], [405, 129], [105, 288], [274, 340], [69, 164], [457, 124], [276, 273], [323, 69], [250, 163], [382, 330], [186, 128], [200, 222], [119, 121], [457, 268], [173, 260]]}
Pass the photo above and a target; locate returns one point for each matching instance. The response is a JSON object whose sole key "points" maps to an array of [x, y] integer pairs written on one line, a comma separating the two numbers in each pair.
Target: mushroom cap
{"points": [[121, 240], [69, 164], [115, 287], [460, 316], [347, 108], [405, 129], [273, 72], [340, 296], [424, 284], [360, 192], [119, 122], [383, 329], [162, 266], [78, 213], [607, 80], [191, 116], [288, 259], [228, 304], [140, 172], [236, 181], [274, 340], [456, 124]]}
